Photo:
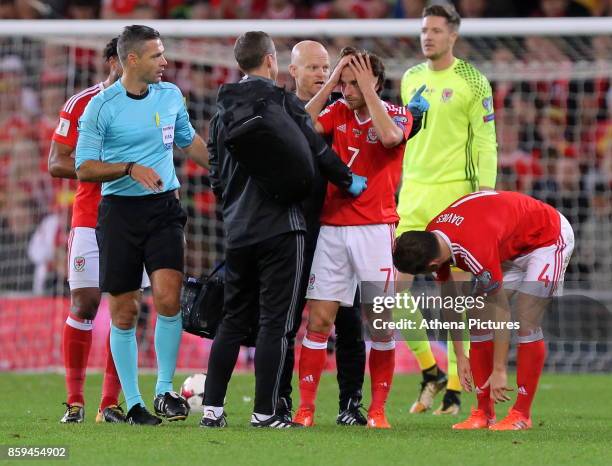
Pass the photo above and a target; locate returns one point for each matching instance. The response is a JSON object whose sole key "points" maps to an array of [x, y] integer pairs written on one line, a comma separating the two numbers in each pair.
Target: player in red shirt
{"points": [[356, 237], [516, 247], [83, 260]]}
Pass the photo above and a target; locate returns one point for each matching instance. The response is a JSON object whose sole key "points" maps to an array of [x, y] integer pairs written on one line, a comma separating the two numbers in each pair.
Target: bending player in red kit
{"points": [[516, 247]]}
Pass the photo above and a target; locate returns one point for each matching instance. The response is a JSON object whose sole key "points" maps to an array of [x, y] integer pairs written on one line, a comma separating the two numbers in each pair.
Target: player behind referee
{"points": [[83, 274], [126, 141]]}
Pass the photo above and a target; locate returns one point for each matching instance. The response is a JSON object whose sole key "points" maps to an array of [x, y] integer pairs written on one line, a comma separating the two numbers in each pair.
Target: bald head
{"points": [[309, 67], [306, 49]]}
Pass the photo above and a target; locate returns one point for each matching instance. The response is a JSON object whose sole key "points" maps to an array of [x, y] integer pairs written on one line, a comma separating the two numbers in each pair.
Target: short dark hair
{"points": [[110, 50], [414, 250], [445, 11], [132, 39], [378, 67], [251, 48]]}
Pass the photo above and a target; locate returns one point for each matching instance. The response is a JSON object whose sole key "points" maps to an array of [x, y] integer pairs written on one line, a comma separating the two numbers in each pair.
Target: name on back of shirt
{"points": [[450, 218]]}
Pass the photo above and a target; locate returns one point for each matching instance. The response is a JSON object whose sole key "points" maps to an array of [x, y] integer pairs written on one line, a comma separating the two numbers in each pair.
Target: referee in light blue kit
{"points": [[126, 138]]}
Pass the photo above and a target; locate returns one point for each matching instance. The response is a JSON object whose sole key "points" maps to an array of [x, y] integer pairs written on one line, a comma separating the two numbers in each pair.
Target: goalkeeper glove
{"points": [[358, 185], [418, 104]]}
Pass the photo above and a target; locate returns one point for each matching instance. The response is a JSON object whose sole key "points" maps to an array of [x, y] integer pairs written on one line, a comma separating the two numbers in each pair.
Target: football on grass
{"points": [[193, 391]]}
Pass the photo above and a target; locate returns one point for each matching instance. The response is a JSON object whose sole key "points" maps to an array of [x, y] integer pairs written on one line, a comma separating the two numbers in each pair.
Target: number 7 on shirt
{"points": [[355, 152]]}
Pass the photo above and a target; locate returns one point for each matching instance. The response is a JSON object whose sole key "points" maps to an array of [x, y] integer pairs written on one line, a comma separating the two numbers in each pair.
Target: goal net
{"points": [[553, 106]]}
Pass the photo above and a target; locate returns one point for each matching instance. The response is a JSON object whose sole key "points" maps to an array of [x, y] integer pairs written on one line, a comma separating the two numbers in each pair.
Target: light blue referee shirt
{"points": [[120, 127]]}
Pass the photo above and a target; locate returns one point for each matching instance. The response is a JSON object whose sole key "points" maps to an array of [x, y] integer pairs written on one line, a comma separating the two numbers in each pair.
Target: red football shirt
{"points": [[357, 144], [486, 228], [88, 195]]}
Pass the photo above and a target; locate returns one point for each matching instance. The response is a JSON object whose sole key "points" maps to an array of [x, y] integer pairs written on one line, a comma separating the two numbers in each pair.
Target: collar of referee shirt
{"points": [[137, 96], [134, 96]]}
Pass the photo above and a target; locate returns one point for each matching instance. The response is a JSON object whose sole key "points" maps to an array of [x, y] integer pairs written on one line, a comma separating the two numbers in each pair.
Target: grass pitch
{"points": [[572, 425]]}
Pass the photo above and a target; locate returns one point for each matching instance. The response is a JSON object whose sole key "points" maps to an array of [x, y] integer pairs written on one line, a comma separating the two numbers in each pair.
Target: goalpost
{"points": [[551, 80]]}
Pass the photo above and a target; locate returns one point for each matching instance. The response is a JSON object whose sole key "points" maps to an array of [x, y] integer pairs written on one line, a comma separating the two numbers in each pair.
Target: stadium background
{"points": [[553, 106]]}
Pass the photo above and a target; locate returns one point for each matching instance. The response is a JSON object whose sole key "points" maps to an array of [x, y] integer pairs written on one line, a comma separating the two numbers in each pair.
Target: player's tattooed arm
{"points": [[61, 161]]}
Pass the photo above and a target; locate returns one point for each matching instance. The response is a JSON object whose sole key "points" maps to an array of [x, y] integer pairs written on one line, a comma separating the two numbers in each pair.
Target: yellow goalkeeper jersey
{"points": [[457, 139]]}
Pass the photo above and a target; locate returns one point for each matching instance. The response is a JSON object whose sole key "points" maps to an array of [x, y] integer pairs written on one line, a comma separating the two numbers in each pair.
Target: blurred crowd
{"points": [[291, 9], [553, 116]]}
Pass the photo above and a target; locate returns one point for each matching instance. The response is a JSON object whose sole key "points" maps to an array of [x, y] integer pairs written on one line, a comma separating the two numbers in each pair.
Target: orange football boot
{"points": [[477, 419], [378, 420], [515, 420], [304, 416]]}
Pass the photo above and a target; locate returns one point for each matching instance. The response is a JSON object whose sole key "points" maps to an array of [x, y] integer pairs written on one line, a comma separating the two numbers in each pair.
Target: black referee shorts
{"points": [[137, 231]]}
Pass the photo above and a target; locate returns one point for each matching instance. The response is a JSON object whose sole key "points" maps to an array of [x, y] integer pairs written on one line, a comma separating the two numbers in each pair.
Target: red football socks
{"points": [[76, 340], [529, 365], [382, 365], [313, 355], [481, 362]]}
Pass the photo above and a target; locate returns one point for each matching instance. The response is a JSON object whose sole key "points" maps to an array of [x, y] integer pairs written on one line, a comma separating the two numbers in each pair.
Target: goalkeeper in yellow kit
{"points": [[455, 153]]}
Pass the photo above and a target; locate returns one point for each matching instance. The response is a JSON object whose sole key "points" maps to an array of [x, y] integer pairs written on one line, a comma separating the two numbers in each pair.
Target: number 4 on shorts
{"points": [[544, 278]]}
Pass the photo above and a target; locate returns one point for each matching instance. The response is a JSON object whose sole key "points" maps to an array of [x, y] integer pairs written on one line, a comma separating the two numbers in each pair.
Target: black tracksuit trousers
{"points": [[265, 279]]}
